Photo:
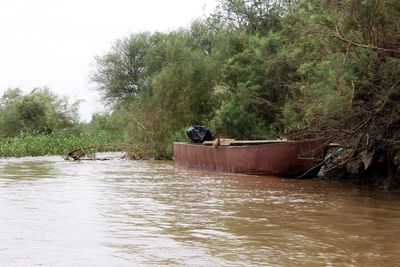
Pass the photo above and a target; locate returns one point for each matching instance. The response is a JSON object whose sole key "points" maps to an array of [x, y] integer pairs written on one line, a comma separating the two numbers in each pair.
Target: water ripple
{"points": [[148, 213]]}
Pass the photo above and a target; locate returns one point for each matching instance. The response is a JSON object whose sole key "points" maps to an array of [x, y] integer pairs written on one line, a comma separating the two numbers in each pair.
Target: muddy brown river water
{"points": [[149, 213]]}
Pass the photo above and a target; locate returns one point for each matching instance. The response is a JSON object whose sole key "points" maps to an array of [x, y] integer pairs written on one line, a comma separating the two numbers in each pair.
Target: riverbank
{"points": [[378, 167], [369, 139], [363, 162]]}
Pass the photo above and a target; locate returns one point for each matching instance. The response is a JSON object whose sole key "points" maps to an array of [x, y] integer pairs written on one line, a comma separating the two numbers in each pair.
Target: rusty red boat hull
{"points": [[286, 159]]}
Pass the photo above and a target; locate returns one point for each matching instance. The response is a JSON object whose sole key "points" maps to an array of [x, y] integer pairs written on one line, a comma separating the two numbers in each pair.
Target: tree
{"points": [[181, 95], [37, 111], [253, 16], [121, 74]]}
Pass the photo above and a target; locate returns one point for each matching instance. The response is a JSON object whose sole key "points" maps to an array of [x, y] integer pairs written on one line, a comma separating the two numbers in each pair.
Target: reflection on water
{"points": [[148, 213]]}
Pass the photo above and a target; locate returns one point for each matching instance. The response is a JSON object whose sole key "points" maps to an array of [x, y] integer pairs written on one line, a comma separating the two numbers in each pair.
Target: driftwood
{"points": [[371, 149], [81, 154], [369, 138], [76, 154], [87, 153]]}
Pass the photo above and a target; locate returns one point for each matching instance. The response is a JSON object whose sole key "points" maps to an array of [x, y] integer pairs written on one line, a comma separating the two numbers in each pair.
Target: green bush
{"points": [[57, 143]]}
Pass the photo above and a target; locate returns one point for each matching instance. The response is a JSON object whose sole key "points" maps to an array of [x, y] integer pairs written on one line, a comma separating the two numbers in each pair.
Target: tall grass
{"points": [[57, 143]]}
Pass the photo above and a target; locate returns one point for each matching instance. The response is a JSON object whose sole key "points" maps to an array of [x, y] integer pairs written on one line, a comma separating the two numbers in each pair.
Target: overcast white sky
{"points": [[53, 42]]}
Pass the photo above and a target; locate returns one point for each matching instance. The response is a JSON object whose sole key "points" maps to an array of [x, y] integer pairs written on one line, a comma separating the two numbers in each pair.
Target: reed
{"points": [[57, 143]]}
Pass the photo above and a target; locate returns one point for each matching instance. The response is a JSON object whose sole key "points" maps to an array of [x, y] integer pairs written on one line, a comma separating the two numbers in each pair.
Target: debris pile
{"points": [[369, 151]]}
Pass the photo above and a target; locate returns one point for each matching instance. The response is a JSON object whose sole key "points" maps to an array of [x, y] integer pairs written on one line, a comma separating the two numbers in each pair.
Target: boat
{"points": [[257, 157]]}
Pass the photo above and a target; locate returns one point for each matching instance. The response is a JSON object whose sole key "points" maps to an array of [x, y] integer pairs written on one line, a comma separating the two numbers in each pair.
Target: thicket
{"points": [[265, 69], [38, 111], [43, 123]]}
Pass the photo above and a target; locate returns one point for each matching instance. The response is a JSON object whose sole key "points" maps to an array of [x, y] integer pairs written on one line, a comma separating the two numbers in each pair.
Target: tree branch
{"points": [[336, 34]]}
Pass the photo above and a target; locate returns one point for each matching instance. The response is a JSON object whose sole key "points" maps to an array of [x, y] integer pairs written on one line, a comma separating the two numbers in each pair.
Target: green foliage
{"points": [[40, 110], [254, 16], [253, 69], [237, 116], [181, 95], [114, 124], [120, 73], [56, 143], [344, 53]]}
